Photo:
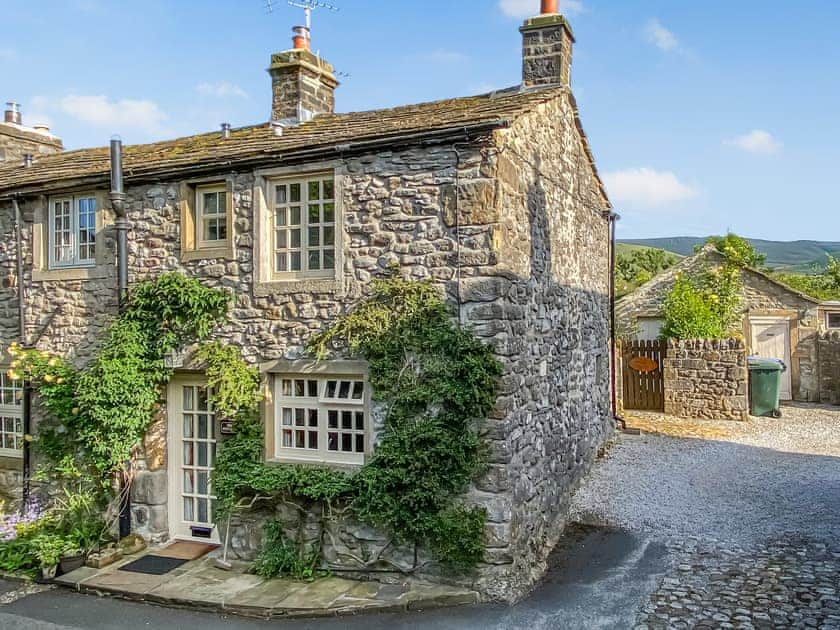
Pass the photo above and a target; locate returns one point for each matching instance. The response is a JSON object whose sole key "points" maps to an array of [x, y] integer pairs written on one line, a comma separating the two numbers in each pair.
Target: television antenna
{"points": [[307, 5]]}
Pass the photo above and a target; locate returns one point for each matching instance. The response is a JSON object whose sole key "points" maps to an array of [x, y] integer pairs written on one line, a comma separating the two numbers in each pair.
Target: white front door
{"points": [[771, 340], [192, 453]]}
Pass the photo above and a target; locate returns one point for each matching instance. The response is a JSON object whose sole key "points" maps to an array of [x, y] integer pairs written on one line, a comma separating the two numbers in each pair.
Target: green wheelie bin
{"points": [[765, 386]]}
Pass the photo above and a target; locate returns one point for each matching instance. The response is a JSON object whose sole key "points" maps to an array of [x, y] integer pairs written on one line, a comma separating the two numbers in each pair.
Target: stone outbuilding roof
{"points": [[646, 301], [327, 134]]}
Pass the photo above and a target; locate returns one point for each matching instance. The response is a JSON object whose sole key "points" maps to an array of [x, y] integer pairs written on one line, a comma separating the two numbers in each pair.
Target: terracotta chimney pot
{"points": [[549, 7], [300, 38]]}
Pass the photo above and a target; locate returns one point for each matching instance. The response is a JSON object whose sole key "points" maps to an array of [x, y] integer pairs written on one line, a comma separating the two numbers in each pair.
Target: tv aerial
{"points": [[307, 5]]}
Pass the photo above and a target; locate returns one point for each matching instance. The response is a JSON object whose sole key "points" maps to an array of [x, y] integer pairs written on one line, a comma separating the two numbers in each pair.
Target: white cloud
{"points": [[756, 141], [646, 187], [531, 8], [115, 115], [222, 90], [660, 36]]}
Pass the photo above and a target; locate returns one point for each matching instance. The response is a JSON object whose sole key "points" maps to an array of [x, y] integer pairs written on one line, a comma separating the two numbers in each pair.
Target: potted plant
{"points": [[47, 549], [71, 559]]}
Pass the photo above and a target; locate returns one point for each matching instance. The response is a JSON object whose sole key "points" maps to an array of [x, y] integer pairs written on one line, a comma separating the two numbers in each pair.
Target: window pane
{"points": [[346, 442], [299, 417], [287, 387], [282, 262], [358, 390], [329, 259], [315, 260], [360, 421], [329, 236], [313, 440], [344, 389], [280, 216], [295, 238], [313, 389], [223, 229], [280, 239], [332, 419], [329, 213], [313, 417], [329, 189], [314, 237], [314, 190], [189, 481], [295, 216], [188, 509], [188, 426], [295, 261], [202, 427], [211, 203], [203, 516], [360, 443], [287, 439], [314, 213], [281, 194], [294, 192], [332, 442], [287, 417], [203, 483], [188, 454]]}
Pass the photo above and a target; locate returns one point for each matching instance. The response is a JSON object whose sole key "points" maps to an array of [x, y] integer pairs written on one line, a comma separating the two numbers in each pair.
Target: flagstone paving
{"points": [[200, 584]]}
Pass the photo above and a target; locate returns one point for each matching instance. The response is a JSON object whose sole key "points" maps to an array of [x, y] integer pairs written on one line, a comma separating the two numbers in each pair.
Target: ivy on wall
{"points": [[434, 380], [98, 416]]}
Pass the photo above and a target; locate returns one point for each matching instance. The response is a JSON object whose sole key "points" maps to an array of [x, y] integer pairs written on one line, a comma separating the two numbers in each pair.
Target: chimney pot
{"points": [[27, 160], [12, 114], [549, 7], [225, 130], [300, 40]]}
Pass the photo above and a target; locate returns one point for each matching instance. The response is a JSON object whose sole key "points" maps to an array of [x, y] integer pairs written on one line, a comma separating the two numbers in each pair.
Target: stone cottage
{"points": [[495, 198], [17, 141], [777, 321]]}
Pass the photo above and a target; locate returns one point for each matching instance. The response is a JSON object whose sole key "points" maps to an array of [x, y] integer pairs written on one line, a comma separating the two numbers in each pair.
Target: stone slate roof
{"points": [[259, 144], [646, 301]]}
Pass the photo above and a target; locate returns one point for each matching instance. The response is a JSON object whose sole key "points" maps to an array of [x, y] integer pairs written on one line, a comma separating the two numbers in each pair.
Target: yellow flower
{"points": [[75, 411], [13, 375], [49, 378], [53, 362], [59, 380]]}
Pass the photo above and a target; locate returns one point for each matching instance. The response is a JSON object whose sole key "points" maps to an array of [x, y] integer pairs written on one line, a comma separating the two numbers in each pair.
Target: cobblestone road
{"points": [[750, 514]]}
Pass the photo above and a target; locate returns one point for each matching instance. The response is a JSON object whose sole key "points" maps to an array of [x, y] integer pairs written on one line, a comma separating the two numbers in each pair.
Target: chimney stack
{"points": [[12, 114], [302, 84], [547, 48]]}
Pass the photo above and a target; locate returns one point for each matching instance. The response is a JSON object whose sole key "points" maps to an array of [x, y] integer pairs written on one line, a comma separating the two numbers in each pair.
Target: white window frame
{"points": [[201, 217], [326, 409], [828, 320], [304, 248], [75, 259], [11, 409]]}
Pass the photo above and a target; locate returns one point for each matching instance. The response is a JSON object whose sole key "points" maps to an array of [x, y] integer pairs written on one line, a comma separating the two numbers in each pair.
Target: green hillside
{"points": [[794, 256]]}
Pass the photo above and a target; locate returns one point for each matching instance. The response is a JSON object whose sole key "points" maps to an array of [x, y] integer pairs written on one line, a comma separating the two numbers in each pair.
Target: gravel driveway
{"points": [[768, 477], [751, 520]]}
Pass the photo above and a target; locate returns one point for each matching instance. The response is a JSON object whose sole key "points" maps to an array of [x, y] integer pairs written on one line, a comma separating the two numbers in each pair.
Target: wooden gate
{"points": [[642, 377]]}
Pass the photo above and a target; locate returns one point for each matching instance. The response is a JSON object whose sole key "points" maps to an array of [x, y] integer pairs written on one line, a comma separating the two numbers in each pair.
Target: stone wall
{"points": [[17, 141], [828, 352], [510, 228], [706, 379]]}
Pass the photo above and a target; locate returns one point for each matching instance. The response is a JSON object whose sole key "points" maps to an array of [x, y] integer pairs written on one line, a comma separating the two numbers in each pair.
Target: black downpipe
{"points": [[118, 203], [26, 400], [613, 218]]}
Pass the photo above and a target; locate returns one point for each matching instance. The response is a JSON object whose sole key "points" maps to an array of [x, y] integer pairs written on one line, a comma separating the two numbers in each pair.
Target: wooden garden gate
{"points": [[642, 377]]}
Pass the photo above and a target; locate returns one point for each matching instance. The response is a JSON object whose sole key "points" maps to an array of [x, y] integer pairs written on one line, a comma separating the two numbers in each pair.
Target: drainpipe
{"points": [[613, 219], [118, 203], [26, 398]]}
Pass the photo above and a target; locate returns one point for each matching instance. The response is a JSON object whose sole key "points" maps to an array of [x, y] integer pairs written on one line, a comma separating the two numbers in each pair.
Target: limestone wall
{"points": [[706, 379], [828, 352], [17, 141]]}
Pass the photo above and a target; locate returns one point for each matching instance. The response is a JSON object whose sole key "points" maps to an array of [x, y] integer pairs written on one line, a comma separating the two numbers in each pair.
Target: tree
{"points": [[639, 266], [737, 251]]}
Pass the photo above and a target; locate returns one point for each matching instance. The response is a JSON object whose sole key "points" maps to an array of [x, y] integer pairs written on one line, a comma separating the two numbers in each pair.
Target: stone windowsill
{"points": [[226, 252], [291, 287], [72, 273]]}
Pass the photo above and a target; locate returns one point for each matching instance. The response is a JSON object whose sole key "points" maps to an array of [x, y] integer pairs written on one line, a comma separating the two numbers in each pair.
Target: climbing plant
{"points": [[98, 415], [433, 380]]}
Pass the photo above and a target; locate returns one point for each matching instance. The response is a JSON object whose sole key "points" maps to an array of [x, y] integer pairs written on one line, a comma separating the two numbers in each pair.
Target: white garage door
{"points": [[771, 340]]}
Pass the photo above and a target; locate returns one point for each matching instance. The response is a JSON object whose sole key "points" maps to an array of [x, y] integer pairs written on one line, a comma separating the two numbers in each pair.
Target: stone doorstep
{"points": [[198, 585]]}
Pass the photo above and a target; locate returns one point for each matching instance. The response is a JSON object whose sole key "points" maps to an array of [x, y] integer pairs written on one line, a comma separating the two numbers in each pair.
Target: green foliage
{"points": [[98, 416], [236, 385], [638, 266], [435, 381], [704, 307], [823, 284], [280, 557], [737, 251]]}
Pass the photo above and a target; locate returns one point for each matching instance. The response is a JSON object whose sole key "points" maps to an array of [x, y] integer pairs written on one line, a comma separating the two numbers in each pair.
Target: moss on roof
{"points": [[261, 143]]}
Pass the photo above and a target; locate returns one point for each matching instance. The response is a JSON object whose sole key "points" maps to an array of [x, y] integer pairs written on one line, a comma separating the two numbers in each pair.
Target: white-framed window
{"points": [[211, 220], [303, 226], [72, 231], [323, 419], [832, 321], [11, 417]]}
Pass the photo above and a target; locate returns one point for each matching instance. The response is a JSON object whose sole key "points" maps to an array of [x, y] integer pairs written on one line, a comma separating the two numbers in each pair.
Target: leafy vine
{"points": [[434, 380]]}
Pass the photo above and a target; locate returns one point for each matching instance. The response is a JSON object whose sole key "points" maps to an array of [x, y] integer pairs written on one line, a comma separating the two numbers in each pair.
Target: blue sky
{"points": [[703, 116]]}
